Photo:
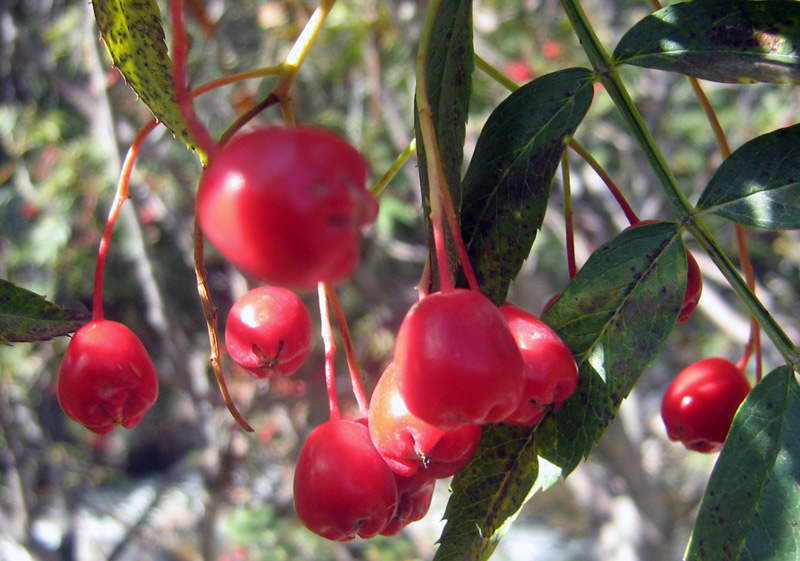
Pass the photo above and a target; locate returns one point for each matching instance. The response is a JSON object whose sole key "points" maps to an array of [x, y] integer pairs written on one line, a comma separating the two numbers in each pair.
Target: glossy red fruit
{"points": [[457, 362], [287, 204], [342, 486], [414, 496], [408, 444], [699, 405], [106, 377], [694, 287], [550, 372], [269, 330]]}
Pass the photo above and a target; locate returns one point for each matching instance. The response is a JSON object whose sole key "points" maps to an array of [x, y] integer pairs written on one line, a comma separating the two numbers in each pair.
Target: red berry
{"points": [[699, 405], [551, 49], [269, 330], [694, 287], [342, 486], [287, 204], [414, 496], [519, 71], [550, 372], [457, 362], [106, 377], [408, 444]]}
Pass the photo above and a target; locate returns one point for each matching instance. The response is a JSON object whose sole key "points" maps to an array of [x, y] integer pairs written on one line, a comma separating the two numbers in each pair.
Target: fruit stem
{"points": [[210, 314], [233, 78], [196, 128], [393, 170], [245, 118], [356, 379], [120, 197], [326, 331], [572, 267]]}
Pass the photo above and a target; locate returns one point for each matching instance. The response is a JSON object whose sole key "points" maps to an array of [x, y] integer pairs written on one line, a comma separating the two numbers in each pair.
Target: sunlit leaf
{"points": [[26, 316]]}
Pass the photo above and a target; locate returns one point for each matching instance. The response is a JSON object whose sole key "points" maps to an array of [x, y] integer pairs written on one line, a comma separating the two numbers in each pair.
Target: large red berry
{"points": [[408, 444], [550, 372], [699, 405], [287, 204], [414, 496], [342, 486], [106, 377], [269, 330], [457, 362]]}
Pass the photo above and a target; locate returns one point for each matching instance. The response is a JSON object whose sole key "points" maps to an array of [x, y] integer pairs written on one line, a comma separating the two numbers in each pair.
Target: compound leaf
{"points": [[751, 507], [134, 36], [507, 184], [26, 316], [720, 40], [759, 184]]}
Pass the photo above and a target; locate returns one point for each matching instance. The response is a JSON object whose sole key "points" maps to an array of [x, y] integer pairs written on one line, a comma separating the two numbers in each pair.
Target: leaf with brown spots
{"points": [[26, 316]]}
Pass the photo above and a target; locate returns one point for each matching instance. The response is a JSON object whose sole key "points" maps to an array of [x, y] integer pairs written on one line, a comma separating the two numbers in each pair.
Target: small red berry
{"points": [[699, 405], [457, 362], [550, 372], [269, 330], [519, 71], [408, 444], [342, 486], [414, 496], [551, 49], [287, 204], [106, 377]]}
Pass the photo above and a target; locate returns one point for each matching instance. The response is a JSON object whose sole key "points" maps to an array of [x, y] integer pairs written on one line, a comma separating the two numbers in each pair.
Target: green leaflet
{"points": [[26, 316]]}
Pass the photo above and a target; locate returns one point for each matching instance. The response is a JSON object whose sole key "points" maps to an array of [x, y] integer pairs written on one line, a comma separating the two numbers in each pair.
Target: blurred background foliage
{"points": [[187, 483]]}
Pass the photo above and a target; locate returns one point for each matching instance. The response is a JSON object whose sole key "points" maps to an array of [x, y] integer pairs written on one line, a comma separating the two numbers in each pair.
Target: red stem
{"points": [[446, 283], [754, 342], [116, 207], [330, 353], [455, 231], [179, 79], [356, 379]]}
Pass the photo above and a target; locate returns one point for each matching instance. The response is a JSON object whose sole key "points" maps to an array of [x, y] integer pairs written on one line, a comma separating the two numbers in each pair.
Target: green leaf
{"points": [[615, 315], [720, 40], [134, 36], [26, 316], [759, 184], [751, 507], [508, 181], [448, 70]]}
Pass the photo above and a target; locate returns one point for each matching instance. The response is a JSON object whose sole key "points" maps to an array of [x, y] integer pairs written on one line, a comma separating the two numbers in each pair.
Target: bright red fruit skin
{"points": [[269, 330], [342, 486], [414, 496], [408, 444], [457, 362], [694, 287], [106, 377], [699, 405], [287, 204], [550, 372]]}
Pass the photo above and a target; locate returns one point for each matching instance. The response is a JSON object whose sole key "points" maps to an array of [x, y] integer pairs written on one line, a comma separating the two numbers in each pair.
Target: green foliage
{"points": [[750, 508], [759, 184], [26, 316], [720, 40], [507, 185]]}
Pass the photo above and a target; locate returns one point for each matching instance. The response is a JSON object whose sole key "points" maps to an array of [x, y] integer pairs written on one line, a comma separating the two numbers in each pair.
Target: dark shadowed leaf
{"points": [[759, 184], [751, 507], [508, 181], [134, 36], [615, 315], [26, 316], [720, 40]]}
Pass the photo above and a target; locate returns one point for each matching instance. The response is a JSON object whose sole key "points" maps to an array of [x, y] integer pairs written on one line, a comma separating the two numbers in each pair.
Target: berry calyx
{"points": [[287, 204], [414, 496], [550, 372], [700, 403], [342, 486], [408, 444], [268, 330], [106, 377], [457, 362]]}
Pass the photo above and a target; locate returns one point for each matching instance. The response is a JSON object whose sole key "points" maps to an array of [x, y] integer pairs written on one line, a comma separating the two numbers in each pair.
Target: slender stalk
{"points": [[572, 267], [329, 343], [245, 117], [393, 170], [605, 67], [120, 197], [237, 77], [356, 379], [210, 314]]}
